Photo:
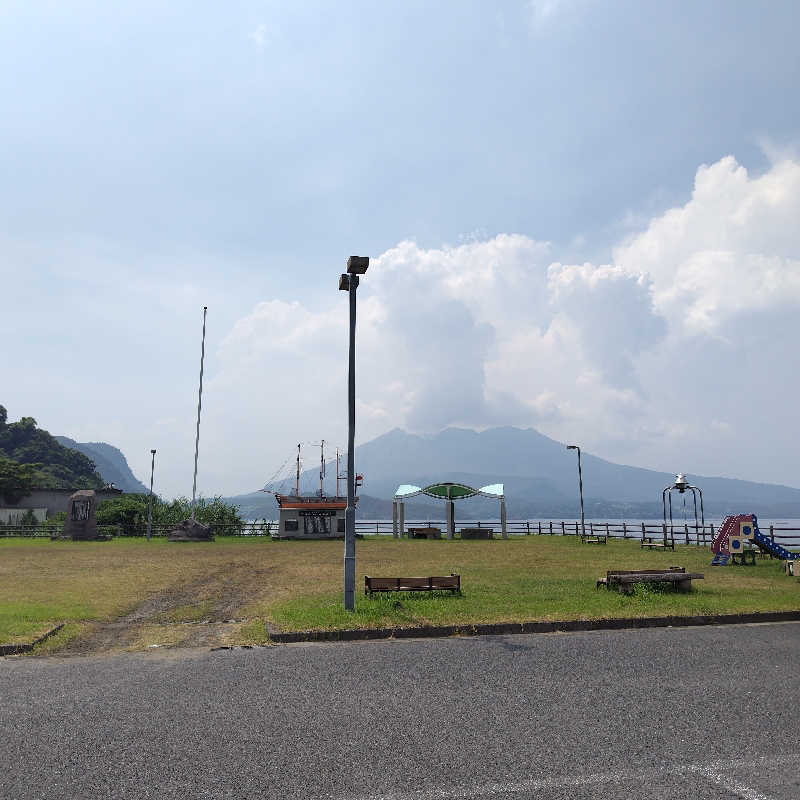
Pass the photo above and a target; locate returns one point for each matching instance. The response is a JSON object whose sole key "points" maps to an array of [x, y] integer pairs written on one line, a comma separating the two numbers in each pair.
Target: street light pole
{"points": [[150, 501], [356, 265], [580, 484]]}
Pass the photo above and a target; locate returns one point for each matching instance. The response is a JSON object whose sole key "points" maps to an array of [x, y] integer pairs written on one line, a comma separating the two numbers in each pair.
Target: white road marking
{"points": [[712, 771], [745, 792]]}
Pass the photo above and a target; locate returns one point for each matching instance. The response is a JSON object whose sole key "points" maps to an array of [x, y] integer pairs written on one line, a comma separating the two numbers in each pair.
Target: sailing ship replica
{"points": [[316, 516]]}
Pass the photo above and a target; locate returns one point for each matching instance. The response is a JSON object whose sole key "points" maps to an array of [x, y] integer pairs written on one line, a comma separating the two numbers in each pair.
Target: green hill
{"points": [[31, 457]]}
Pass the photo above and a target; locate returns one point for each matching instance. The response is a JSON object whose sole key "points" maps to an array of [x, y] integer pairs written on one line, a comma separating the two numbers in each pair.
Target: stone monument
{"points": [[81, 523], [190, 530]]}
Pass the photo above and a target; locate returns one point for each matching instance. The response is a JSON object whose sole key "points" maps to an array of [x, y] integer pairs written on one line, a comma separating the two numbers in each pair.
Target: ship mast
{"points": [[297, 476], [321, 466]]}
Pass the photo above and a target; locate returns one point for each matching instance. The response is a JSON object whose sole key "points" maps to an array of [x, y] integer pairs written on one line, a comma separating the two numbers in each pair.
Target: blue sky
{"points": [[516, 168]]}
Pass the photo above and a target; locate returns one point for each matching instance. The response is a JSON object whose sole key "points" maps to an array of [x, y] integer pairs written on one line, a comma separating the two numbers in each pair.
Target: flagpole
{"points": [[199, 405]]}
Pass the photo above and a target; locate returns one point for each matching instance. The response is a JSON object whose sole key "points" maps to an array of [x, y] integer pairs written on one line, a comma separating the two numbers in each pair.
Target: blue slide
{"points": [[766, 544]]}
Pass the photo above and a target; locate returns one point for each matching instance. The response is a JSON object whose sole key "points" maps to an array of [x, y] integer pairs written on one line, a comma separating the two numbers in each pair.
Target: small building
{"points": [[47, 502], [310, 517]]}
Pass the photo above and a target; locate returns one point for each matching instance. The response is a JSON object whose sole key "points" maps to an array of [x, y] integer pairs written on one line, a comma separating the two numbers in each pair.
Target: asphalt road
{"points": [[663, 713]]}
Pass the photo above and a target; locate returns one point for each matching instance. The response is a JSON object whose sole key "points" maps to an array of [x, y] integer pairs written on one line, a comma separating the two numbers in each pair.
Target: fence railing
{"points": [[263, 528], [681, 534]]}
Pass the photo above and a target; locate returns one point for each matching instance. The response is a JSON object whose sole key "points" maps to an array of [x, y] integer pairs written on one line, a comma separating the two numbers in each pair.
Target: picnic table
{"points": [[623, 580]]}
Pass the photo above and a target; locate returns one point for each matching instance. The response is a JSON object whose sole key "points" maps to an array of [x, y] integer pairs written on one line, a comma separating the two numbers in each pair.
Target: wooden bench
{"points": [[652, 541], [434, 583], [623, 580], [476, 533], [594, 538], [424, 533]]}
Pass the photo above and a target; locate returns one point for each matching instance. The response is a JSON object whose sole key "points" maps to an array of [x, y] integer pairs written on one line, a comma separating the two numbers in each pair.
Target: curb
{"points": [[14, 649], [508, 628]]}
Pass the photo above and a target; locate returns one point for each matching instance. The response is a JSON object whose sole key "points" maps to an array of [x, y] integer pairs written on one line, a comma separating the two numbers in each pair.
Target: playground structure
{"points": [[448, 492], [682, 486], [737, 535]]}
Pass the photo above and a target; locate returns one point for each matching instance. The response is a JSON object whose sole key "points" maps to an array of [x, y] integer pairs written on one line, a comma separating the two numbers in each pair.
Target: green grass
{"points": [[22, 622], [297, 585], [532, 578]]}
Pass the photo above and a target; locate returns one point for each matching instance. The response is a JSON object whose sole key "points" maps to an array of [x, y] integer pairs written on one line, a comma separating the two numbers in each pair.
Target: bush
{"points": [[129, 512]]}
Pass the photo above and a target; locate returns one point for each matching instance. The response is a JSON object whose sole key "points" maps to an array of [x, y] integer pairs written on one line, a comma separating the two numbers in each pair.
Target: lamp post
{"points": [[150, 500], [580, 484], [348, 282]]}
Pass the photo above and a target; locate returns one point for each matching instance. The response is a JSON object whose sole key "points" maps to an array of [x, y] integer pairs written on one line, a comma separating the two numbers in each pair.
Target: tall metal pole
{"points": [[580, 486], [350, 512], [321, 466], [580, 491], [150, 501], [199, 404]]}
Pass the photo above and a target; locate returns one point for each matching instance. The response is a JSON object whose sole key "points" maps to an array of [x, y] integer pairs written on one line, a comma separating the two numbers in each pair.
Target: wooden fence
{"points": [[682, 534]]}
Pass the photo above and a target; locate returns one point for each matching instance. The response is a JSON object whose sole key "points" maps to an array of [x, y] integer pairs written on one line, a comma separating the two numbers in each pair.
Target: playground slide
{"points": [[765, 544], [742, 527]]}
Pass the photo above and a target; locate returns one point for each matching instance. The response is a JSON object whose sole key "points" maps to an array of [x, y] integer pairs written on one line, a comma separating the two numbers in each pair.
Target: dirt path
{"points": [[203, 612]]}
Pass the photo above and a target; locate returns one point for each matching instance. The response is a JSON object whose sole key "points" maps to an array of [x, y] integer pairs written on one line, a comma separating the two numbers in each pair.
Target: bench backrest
{"points": [[398, 584]]}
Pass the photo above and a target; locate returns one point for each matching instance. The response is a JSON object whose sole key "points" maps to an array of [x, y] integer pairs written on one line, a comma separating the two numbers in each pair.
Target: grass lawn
{"points": [[131, 594]]}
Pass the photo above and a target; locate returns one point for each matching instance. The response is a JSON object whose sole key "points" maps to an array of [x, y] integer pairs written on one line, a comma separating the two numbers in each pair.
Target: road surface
{"points": [[711, 712]]}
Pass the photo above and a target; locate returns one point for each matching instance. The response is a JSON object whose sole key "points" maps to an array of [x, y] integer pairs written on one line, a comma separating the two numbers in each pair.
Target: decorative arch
{"points": [[449, 492]]}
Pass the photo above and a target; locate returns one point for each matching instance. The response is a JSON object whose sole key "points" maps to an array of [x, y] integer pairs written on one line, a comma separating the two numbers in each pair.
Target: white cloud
{"points": [[624, 357], [678, 352], [733, 248]]}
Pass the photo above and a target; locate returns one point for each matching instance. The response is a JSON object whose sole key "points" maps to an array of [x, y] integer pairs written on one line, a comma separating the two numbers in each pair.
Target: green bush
{"points": [[129, 513]]}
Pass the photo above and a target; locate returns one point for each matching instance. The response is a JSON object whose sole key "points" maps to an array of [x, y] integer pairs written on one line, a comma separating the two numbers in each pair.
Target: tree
{"points": [[16, 480], [129, 512], [57, 466]]}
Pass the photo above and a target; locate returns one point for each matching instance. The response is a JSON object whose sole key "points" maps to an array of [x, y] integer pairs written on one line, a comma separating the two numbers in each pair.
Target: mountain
{"points": [[109, 462], [540, 478], [54, 466], [540, 475]]}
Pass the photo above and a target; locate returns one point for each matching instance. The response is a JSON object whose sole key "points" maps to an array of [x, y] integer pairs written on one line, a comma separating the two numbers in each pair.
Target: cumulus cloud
{"points": [[612, 313], [734, 247], [639, 358]]}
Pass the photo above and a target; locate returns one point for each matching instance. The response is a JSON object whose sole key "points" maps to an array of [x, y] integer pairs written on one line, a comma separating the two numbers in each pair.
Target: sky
{"points": [[581, 217]]}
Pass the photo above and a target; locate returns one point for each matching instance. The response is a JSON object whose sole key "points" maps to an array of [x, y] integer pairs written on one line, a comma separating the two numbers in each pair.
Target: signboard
{"points": [[317, 522]]}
